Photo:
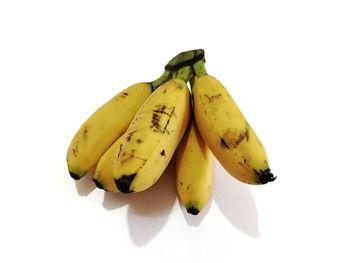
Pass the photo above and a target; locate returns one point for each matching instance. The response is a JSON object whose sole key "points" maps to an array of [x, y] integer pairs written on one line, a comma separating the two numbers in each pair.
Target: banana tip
{"points": [[124, 182], [74, 176], [192, 210], [265, 176], [98, 184]]}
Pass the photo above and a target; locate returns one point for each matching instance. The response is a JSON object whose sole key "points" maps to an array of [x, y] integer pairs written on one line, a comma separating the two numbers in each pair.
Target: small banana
{"points": [[194, 170], [103, 177], [153, 135], [226, 131], [111, 120], [106, 125]]}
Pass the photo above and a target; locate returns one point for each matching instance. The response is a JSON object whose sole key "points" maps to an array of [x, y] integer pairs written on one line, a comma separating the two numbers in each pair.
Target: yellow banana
{"points": [[194, 170], [226, 131], [106, 125], [111, 120], [103, 177], [153, 135]]}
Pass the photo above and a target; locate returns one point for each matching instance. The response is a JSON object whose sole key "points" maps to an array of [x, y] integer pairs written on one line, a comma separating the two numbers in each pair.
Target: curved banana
{"points": [[226, 131], [153, 136], [106, 125], [103, 177], [194, 170], [111, 120]]}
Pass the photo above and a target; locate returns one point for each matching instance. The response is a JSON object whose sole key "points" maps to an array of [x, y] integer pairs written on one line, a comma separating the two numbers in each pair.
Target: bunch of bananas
{"points": [[128, 142]]}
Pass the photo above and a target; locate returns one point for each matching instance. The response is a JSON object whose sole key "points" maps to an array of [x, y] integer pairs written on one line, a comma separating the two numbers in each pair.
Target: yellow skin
{"points": [[103, 177], [111, 120], [227, 133], [103, 127], [152, 137], [194, 171]]}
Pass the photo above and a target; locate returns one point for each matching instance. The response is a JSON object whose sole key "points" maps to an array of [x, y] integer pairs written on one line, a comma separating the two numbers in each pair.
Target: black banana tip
{"points": [[192, 210], [124, 182], [98, 184], [74, 176], [265, 176]]}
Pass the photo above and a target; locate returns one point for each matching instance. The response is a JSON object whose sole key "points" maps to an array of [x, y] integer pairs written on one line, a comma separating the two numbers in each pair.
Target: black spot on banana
{"points": [[124, 182]]}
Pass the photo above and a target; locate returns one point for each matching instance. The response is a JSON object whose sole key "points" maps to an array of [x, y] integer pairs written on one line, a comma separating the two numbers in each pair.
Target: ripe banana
{"points": [[153, 135], [106, 125], [103, 177], [226, 131], [194, 170]]}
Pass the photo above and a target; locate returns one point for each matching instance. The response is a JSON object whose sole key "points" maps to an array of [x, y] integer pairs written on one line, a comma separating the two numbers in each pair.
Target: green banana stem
{"points": [[199, 68], [167, 75], [184, 73], [180, 67], [186, 58]]}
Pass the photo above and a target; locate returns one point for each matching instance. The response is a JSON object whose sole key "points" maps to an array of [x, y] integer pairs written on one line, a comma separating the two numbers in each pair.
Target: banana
{"points": [[106, 125], [194, 170], [111, 120], [103, 177], [153, 135], [226, 131]]}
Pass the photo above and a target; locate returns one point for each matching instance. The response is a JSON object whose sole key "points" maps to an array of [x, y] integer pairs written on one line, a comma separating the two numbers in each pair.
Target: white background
{"points": [[286, 63]]}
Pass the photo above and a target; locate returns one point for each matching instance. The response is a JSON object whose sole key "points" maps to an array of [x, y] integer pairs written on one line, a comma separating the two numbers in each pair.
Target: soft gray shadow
{"points": [[149, 210], [195, 220], [85, 185], [236, 202], [113, 201]]}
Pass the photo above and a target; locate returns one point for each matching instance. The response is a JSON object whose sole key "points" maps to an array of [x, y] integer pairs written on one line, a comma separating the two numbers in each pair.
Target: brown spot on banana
{"points": [[223, 143], [130, 134], [85, 132], [75, 148], [161, 111], [211, 98], [74, 152], [162, 153], [127, 156], [120, 149], [231, 139]]}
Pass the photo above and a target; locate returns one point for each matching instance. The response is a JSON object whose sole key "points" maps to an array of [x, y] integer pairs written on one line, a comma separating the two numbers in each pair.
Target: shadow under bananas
{"points": [[85, 185], [236, 202], [149, 210]]}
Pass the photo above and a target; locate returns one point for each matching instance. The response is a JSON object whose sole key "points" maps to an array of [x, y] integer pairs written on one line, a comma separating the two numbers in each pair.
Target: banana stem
{"points": [[185, 58], [184, 73], [167, 75], [182, 66], [199, 68]]}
